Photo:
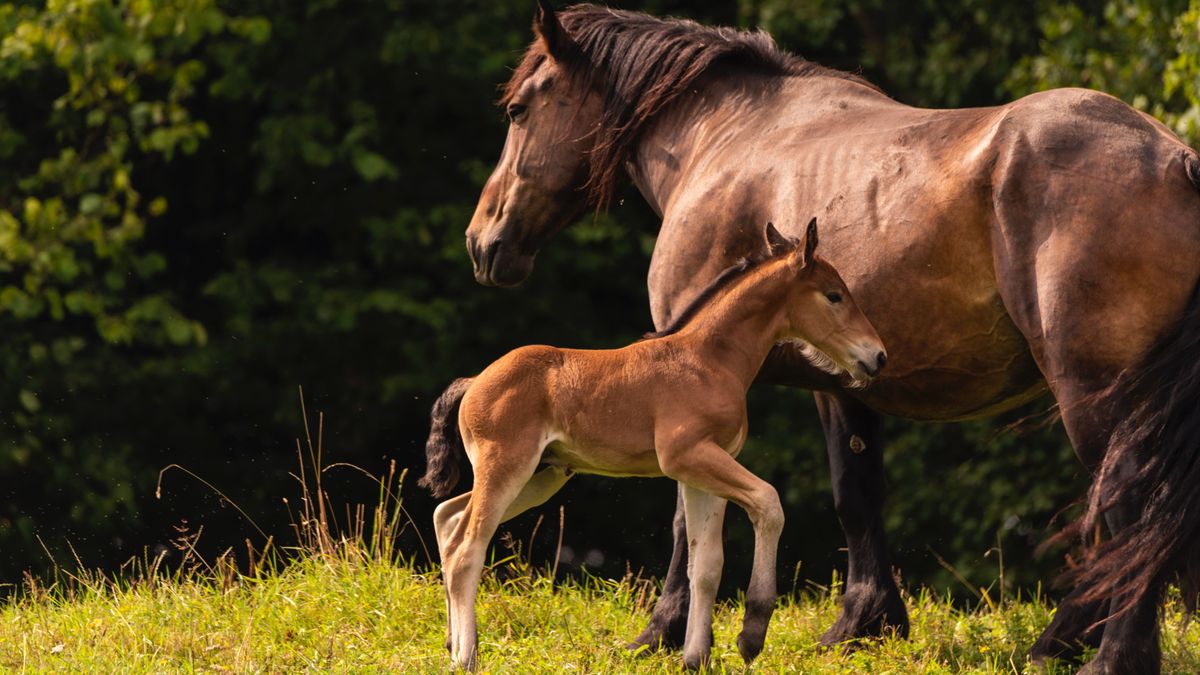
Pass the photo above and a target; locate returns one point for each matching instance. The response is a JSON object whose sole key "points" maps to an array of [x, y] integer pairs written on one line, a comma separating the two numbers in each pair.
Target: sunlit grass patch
{"points": [[348, 612]]}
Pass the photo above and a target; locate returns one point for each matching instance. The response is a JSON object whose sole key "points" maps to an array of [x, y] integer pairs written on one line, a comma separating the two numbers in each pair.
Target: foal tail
{"points": [[444, 449], [1152, 460]]}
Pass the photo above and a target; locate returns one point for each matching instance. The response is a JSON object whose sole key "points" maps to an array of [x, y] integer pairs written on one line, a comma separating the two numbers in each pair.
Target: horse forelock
{"points": [[640, 64]]}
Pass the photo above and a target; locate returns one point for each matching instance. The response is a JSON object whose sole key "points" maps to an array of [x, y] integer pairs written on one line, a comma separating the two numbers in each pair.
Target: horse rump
{"points": [[444, 448]]}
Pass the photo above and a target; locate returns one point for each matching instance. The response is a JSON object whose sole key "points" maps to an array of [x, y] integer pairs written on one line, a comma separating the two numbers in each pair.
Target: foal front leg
{"points": [[708, 467], [705, 515]]}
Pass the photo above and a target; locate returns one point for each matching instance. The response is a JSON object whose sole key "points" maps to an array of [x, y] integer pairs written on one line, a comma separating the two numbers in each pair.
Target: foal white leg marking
{"points": [[705, 515], [484, 511], [445, 521], [541, 487]]}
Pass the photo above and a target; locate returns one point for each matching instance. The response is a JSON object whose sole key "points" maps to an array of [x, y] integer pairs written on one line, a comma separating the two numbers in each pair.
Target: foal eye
{"points": [[833, 297], [516, 111]]}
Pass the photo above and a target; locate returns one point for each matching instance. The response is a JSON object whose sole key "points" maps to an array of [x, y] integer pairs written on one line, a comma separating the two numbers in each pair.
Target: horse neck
{"points": [[676, 147], [676, 141], [740, 326]]}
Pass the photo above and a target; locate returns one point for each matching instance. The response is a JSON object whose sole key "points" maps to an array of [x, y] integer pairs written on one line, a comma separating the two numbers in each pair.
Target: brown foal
{"points": [[672, 405]]}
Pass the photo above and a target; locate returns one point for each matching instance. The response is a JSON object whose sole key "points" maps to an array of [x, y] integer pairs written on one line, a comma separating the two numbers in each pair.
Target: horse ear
{"points": [[548, 28], [776, 242], [810, 241]]}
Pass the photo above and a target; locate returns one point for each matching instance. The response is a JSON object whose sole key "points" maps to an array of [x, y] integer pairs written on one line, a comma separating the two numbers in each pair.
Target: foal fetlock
{"points": [[754, 627]]}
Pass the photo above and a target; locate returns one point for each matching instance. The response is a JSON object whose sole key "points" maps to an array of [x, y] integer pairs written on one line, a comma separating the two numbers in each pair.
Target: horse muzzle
{"points": [[499, 263]]}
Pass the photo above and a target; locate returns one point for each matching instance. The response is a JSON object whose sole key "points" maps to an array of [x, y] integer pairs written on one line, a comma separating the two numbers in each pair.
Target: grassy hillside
{"points": [[349, 610]]}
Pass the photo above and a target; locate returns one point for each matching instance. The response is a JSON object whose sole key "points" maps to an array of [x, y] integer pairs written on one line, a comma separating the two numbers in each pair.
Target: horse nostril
{"points": [[881, 360]]}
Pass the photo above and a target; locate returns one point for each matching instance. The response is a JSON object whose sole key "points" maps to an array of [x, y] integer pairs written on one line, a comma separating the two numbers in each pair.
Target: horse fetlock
{"points": [[668, 623], [868, 611]]}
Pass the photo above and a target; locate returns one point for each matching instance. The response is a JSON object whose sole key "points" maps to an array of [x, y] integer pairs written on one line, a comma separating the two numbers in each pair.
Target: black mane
{"points": [[640, 64]]}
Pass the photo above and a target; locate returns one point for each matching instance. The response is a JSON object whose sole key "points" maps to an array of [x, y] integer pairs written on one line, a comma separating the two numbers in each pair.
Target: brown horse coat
{"points": [[1051, 243]]}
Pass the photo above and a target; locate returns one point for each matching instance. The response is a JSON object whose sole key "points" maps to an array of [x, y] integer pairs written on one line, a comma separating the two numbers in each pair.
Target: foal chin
{"points": [[850, 377]]}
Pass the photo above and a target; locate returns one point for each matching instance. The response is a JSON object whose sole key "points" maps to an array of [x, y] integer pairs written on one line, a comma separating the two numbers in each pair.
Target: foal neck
{"points": [[738, 328]]}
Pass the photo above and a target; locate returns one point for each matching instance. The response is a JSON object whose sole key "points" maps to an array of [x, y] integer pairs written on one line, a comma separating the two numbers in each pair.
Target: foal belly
{"points": [[582, 457]]}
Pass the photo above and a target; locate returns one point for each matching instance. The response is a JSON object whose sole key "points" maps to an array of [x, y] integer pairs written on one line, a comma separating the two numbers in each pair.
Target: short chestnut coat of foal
{"points": [[671, 405]]}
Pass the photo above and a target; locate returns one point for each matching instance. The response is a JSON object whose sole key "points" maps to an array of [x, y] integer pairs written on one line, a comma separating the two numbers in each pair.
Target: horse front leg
{"points": [[668, 621], [871, 604]]}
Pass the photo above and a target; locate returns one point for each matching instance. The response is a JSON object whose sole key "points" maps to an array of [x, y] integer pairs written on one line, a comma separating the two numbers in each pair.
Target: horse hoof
{"points": [[654, 639]]}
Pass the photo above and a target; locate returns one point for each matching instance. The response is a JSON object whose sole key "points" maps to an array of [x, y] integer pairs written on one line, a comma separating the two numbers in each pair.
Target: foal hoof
{"points": [[749, 646]]}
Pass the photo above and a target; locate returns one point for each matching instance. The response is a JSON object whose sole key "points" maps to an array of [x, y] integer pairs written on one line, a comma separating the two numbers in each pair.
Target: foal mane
{"points": [[728, 277], [640, 64]]}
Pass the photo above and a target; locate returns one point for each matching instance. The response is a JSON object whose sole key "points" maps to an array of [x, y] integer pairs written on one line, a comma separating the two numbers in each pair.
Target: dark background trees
{"points": [[206, 204]]}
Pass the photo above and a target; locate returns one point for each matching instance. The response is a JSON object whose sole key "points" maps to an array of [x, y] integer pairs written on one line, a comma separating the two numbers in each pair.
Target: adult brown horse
{"points": [[1053, 242]]}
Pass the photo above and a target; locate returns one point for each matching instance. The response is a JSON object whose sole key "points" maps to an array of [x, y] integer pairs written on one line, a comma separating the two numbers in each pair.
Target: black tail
{"points": [[1153, 460], [444, 450]]}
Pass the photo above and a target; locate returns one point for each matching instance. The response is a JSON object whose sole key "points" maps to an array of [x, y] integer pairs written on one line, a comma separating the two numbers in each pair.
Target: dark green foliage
{"points": [[205, 204]]}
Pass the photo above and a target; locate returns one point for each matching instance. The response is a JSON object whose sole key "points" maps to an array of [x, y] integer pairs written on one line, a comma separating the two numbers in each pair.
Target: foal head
{"points": [[822, 317]]}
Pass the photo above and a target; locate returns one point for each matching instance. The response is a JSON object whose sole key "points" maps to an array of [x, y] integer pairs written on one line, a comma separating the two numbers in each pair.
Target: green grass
{"points": [[350, 611]]}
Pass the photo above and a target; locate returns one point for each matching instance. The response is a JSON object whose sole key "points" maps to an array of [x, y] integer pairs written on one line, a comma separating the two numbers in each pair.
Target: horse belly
{"points": [[953, 350]]}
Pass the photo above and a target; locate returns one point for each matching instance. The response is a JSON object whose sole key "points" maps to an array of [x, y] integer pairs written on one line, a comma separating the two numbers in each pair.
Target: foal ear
{"points": [[776, 242], [548, 28], [810, 241]]}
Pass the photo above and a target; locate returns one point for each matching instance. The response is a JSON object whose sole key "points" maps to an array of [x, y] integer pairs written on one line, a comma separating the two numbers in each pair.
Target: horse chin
{"points": [[505, 270]]}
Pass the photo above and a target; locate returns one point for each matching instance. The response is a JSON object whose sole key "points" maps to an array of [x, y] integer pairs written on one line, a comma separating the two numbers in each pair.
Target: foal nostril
{"points": [[881, 360]]}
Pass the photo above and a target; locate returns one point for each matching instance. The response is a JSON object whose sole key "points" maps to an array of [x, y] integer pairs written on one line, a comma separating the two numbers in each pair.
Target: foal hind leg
{"points": [[871, 604], [445, 519], [710, 468], [448, 514], [498, 484]]}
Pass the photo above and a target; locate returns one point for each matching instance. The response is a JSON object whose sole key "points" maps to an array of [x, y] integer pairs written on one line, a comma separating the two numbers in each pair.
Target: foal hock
{"points": [[672, 405]]}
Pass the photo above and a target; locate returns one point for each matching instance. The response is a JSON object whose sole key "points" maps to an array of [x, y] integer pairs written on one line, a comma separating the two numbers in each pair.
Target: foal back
{"points": [[597, 411]]}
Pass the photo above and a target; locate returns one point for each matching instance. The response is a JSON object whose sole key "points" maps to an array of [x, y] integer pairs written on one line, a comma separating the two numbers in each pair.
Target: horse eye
{"points": [[516, 111], [833, 297]]}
